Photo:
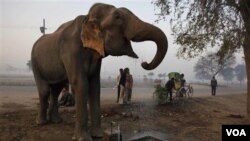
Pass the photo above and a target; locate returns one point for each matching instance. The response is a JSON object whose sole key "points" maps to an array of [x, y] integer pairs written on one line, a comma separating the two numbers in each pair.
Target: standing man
{"points": [[183, 81], [66, 98], [128, 86], [118, 82], [122, 85], [169, 87], [213, 86]]}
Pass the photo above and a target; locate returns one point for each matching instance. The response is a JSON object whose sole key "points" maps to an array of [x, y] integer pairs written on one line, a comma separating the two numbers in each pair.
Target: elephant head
{"points": [[110, 30]]}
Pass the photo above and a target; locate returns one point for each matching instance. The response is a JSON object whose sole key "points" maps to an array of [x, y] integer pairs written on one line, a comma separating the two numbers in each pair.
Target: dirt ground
{"points": [[193, 119]]}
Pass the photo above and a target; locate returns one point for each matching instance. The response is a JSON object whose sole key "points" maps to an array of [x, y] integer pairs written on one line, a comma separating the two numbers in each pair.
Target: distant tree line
{"points": [[211, 65], [29, 65]]}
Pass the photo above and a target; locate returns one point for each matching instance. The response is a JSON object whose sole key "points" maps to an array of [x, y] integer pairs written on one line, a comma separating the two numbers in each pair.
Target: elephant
{"points": [[74, 53]]}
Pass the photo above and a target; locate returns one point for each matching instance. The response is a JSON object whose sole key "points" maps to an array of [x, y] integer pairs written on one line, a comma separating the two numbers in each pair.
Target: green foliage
{"points": [[161, 94], [199, 24]]}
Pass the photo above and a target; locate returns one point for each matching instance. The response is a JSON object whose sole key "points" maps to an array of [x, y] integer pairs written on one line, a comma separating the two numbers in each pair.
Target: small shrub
{"points": [[161, 95]]}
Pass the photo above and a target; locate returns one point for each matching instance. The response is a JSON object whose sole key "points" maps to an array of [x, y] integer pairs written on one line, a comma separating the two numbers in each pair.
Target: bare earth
{"points": [[193, 119]]}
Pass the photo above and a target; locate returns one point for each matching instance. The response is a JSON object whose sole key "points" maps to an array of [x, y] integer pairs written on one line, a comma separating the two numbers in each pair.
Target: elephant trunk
{"points": [[142, 31]]}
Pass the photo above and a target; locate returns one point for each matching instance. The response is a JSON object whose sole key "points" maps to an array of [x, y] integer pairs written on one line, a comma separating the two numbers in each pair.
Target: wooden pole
{"points": [[43, 28]]}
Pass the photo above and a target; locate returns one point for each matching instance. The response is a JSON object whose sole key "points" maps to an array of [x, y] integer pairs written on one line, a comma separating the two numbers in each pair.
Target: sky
{"points": [[19, 29]]}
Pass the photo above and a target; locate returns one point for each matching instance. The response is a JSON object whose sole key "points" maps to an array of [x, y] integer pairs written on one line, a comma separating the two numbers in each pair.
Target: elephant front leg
{"points": [[81, 128], [95, 110]]}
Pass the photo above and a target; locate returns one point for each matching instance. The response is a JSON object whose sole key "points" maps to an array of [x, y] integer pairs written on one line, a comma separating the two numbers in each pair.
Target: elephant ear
{"points": [[91, 36]]}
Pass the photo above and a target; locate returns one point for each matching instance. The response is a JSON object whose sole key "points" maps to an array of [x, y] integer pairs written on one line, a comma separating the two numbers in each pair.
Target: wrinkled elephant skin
{"points": [[74, 53]]}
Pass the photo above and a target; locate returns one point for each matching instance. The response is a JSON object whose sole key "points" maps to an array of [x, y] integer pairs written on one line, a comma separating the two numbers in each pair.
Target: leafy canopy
{"points": [[198, 24]]}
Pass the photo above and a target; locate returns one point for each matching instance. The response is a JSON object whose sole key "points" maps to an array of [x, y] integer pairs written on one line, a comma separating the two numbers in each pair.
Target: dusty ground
{"points": [[194, 119]]}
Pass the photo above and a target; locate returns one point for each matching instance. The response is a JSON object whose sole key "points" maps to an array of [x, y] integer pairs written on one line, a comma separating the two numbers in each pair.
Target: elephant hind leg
{"points": [[53, 114], [43, 91]]}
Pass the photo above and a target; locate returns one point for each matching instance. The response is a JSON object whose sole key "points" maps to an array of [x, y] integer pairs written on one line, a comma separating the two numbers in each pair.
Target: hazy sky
{"points": [[21, 19]]}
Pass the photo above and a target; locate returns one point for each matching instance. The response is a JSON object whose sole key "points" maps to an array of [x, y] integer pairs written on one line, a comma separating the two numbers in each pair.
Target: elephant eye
{"points": [[117, 16]]}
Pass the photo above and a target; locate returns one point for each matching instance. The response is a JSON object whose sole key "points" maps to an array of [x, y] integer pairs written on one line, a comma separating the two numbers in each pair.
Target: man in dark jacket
{"points": [[169, 87], [122, 83], [213, 85], [67, 99]]}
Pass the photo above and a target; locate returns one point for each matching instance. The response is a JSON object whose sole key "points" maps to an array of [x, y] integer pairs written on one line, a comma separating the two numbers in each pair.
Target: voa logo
{"points": [[236, 132]]}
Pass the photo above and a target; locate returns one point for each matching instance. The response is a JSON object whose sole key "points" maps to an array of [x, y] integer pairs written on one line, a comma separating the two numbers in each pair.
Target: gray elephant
{"points": [[74, 53]]}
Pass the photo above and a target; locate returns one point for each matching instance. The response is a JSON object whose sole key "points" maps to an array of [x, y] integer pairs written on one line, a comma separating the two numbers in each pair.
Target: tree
{"points": [[159, 75], [162, 75], [240, 71], [210, 65], [29, 65], [145, 79], [198, 24], [202, 74], [151, 74], [227, 74]]}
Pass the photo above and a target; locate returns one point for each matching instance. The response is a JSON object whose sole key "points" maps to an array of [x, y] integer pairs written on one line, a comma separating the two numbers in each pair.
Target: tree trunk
{"points": [[247, 60], [246, 49], [244, 10]]}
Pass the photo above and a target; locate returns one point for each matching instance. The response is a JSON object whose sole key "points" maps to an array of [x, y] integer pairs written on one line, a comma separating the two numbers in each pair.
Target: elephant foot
{"points": [[96, 132], [82, 137], [41, 121], [55, 119]]}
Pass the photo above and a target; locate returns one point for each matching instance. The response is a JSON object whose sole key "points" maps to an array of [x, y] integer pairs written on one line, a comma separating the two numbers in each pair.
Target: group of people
{"points": [[124, 86], [170, 85], [124, 93], [124, 89]]}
